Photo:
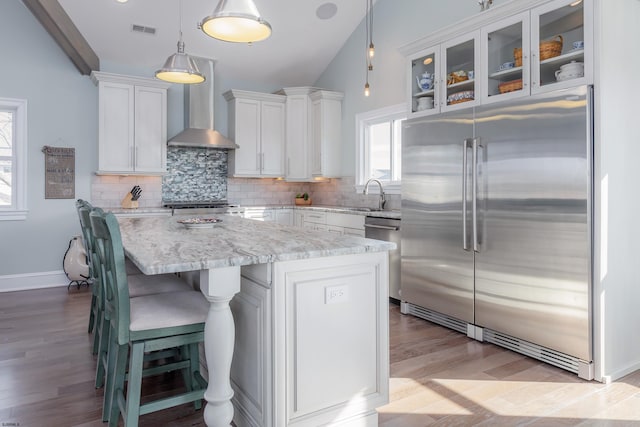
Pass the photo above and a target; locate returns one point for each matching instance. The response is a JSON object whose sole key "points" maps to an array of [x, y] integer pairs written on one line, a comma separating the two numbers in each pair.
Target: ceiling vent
{"points": [[142, 29]]}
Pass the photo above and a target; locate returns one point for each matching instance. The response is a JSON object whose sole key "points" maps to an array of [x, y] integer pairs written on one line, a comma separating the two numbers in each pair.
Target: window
{"points": [[13, 159], [379, 147]]}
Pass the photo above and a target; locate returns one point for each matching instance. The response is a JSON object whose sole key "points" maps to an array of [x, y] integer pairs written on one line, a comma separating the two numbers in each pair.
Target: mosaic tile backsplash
{"points": [[195, 174]]}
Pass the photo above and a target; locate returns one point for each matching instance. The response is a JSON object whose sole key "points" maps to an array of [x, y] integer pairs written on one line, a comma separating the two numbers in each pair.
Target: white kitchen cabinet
{"points": [[298, 139], [257, 125], [447, 64], [312, 338], [132, 124], [259, 214], [280, 216], [500, 42], [314, 123], [332, 222], [347, 224], [569, 21], [284, 216], [315, 221], [524, 39], [503, 49], [326, 113]]}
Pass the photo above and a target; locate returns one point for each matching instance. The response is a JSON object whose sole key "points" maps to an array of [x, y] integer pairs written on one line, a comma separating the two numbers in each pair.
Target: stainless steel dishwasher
{"points": [[387, 229]]}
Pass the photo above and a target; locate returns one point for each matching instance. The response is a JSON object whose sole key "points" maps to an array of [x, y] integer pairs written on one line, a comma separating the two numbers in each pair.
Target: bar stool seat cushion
{"points": [[168, 310]]}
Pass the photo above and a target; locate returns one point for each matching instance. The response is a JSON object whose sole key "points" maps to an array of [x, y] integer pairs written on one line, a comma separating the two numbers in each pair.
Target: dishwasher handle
{"points": [[382, 227]]}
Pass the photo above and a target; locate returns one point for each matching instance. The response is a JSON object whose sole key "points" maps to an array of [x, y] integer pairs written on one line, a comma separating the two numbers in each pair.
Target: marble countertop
{"points": [[162, 245], [339, 209]]}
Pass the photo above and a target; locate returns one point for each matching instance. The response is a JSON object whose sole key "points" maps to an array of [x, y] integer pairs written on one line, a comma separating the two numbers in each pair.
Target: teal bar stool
{"points": [[83, 207], [139, 285], [142, 325]]}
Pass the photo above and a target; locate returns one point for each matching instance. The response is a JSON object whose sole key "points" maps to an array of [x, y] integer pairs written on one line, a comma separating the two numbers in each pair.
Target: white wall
{"points": [[396, 23], [617, 228], [62, 111]]}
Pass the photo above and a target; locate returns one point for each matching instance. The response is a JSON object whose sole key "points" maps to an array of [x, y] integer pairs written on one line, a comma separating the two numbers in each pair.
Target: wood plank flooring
{"points": [[439, 377]]}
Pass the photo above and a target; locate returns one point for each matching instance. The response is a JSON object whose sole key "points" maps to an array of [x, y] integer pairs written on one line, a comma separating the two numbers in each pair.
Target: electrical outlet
{"points": [[336, 294]]}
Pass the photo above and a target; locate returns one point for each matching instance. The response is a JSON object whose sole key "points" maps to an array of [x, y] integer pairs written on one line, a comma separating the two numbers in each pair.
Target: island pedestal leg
{"points": [[219, 286]]}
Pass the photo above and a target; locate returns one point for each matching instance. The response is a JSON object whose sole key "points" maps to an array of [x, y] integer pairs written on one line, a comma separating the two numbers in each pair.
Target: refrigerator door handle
{"points": [[474, 193], [465, 235]]}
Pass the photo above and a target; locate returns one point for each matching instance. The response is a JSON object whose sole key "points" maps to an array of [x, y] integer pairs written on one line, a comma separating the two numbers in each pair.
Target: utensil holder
{"points": [[128, 202]]}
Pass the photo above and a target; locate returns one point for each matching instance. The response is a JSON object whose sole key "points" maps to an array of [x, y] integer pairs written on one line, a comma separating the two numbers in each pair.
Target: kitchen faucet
{"points": [[382, 200]]}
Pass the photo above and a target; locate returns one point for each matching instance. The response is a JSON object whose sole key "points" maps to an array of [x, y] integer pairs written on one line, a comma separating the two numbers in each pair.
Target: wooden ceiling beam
{"points": [[58, 24]]}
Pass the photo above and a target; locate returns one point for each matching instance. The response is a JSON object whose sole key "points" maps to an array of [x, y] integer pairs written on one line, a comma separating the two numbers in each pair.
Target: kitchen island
{"points": [[310, 310]]}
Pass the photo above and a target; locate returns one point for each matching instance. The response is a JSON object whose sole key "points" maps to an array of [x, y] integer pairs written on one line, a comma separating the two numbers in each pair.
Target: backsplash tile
{"points": [[201, 174], [195, 174], [107, 191]]}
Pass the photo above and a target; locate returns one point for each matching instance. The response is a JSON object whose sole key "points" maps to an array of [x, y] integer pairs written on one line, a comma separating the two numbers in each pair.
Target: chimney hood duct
{"points": [[198, 114]]}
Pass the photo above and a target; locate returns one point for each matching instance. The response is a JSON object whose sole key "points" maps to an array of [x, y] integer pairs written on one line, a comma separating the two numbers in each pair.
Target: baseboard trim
{"points": [[29, 281]]}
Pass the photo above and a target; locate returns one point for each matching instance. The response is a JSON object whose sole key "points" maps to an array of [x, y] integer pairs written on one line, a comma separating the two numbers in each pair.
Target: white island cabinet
{"points": [[298, 330], [132, 125]]}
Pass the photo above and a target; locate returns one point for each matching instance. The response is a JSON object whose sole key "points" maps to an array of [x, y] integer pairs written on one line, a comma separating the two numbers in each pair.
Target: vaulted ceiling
{"points": [[300, 48]]}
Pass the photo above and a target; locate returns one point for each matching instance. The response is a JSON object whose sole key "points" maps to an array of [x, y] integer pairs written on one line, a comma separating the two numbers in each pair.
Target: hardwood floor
{"points": [[439, 377]]}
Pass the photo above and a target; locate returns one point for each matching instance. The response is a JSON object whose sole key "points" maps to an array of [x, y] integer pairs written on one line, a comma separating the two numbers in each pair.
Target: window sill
{"points": [[374, 189], [13, 215]]}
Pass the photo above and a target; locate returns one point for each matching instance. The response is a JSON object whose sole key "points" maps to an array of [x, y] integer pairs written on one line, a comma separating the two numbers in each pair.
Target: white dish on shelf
{"points": [[199, 222]]}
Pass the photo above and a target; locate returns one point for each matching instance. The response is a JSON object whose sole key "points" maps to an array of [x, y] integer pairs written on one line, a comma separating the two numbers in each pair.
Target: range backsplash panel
{"points": [[195, 174]]}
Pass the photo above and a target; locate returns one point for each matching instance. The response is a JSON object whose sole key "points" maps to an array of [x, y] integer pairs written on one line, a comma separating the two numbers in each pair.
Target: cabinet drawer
{"points": [[345, 220], [316, 217]]}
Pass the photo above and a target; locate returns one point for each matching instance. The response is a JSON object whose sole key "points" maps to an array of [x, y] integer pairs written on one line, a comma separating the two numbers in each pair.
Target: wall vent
{"points": [[142, 29]]}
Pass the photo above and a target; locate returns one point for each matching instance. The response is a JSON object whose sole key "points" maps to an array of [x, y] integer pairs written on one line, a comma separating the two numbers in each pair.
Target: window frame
{"points": [[363, 121], [18, 209]]}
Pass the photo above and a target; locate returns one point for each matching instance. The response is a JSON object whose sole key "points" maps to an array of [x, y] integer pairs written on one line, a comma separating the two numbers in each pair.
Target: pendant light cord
{"points": [[180, 14]]}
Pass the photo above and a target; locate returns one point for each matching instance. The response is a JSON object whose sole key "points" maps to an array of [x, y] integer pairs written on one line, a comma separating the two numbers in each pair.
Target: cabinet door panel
{"points": [[502, 71], [247, 136], [272, 138], [116, 127], [150, 130], [297, 138], [566, 22]]}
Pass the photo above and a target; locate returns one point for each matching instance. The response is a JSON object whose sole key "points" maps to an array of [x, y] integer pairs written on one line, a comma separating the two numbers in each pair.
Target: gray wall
{"points": [[396, 23], [61, 111]]}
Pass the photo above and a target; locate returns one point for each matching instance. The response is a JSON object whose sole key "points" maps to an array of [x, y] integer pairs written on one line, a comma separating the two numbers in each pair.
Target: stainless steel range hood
{"points": [[198, 114]]}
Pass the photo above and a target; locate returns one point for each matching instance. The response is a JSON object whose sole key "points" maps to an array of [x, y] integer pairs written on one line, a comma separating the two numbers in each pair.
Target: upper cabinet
{"points": [[503, 53], [564, 31], [314, 123], [257, 125], [298, 140], [443, 77], [132, 124], [326, 114], [505, 49]]}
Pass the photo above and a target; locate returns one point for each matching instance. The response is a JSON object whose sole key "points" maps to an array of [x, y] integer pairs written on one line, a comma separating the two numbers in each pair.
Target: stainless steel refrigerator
{"points": [[496, 224]]}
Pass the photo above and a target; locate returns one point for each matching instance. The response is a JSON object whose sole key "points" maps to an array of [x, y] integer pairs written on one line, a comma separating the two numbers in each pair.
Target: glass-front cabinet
{"points": [[530, 51], [563, 31], [443, 77], [458, 72], [423, 82], [506, 63]]}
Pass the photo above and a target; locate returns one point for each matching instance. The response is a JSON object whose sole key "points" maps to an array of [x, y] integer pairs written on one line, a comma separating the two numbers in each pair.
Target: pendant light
{"points": [[179, 67], [370, 50], [236, 21]]}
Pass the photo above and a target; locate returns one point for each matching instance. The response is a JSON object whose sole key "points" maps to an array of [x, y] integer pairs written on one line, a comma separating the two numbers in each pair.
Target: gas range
{"points": [[201, 207]]}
